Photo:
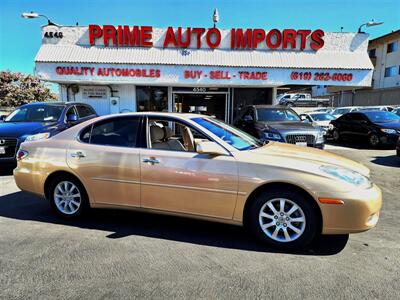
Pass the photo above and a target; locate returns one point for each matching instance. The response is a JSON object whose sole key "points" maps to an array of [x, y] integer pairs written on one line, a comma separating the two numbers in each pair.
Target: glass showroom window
{"points": [[390, 71], [152, 98]]}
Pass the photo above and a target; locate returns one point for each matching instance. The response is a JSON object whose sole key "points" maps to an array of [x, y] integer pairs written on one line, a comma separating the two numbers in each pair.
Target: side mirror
{"points": [[248, 119], [210, 148], [303, 117], [71, 118], [2, 118]]}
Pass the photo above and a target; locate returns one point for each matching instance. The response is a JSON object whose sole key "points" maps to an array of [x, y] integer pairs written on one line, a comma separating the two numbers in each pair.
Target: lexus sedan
{"points": [[196, 166], [280, 124], [38, 120], [375, 127]]}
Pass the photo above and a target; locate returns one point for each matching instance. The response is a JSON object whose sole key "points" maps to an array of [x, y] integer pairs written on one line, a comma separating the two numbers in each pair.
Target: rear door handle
{"points": [[78, 154], [151, 160]]}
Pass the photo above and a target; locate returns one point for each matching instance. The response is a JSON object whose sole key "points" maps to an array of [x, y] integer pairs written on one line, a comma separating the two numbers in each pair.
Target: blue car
{"points": [[39, 120]]}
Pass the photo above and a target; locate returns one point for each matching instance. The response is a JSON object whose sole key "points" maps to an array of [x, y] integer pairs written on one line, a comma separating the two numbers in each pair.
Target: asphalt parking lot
{"points": [[119, 254]]}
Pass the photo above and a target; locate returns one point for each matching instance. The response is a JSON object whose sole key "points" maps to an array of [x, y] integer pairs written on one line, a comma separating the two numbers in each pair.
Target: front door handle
{"points": [[78, 154], [151, 161]]}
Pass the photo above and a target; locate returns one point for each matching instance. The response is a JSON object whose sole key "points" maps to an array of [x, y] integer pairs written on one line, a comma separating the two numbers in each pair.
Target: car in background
{"points": [[281, 124], [302, 100], [376, 108], [340, 111], [195, 166], [320, 119], [396, 111], [325, 110], [38, 120], [375, 127]]}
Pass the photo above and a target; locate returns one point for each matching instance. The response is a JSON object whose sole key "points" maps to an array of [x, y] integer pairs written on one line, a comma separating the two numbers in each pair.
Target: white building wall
{"points": [[125, 95]]}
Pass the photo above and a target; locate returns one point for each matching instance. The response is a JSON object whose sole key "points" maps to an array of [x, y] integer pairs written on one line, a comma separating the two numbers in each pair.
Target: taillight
{"points": [[21, 154]]}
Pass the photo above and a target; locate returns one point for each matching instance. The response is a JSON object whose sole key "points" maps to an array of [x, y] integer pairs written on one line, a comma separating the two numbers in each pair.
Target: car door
{"points": [[360, 125], [106, 159], [179, 180]]}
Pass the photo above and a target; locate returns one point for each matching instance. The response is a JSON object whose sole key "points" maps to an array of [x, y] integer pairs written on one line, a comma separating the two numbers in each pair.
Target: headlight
{"points": [[39, 136], [320, 135], [331, 127], [272, 136], [390, 131], [348, 176]]}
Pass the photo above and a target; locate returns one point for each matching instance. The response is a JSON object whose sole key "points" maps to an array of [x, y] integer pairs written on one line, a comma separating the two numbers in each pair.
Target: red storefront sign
{"points": [[141, 36]]}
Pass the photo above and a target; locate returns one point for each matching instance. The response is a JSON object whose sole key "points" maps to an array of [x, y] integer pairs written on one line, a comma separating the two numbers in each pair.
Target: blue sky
{"points": [[20, 38]]}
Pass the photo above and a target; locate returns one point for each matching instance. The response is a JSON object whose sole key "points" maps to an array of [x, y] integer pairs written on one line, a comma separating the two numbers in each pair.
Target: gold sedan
{"points": [[196, 166]]}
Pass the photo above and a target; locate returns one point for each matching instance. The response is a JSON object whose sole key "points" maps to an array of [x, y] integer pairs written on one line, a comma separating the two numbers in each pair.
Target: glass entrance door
{"points": [[212, 104]]}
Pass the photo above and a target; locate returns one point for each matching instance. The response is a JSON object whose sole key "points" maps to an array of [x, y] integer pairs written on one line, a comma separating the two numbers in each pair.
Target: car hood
{"points": [[20, 129], [322, 123], [302, 126], [287, 154], [394, 125]]}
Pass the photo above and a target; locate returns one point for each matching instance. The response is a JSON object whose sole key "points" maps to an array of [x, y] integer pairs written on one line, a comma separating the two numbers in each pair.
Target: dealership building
{"points": [[214, 71]]}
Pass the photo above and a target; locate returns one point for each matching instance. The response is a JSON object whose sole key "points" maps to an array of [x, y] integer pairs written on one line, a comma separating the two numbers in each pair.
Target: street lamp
{"points": [[33, 15], [369, 24]]}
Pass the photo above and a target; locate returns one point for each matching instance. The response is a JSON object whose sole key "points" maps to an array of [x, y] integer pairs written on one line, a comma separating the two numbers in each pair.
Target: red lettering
{"points": [[95, 32], [317, 41], [131, 38], [289, 37], [243, 41], [278, 38], [213, 44], [59, 70], [183, 44], [303, 37], [109, 32], [145, 36], [170, 38], [258, 37], [199, 32]]}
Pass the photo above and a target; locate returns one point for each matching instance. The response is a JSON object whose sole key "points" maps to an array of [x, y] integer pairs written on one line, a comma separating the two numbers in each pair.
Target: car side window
{"points": [[169, 134], [70, 111], [120, 132], [249, 114], [84, 111]]}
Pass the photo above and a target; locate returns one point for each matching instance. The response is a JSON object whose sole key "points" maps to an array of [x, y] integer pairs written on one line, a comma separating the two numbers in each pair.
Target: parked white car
{"points": [[339, 111], [321, 119]]}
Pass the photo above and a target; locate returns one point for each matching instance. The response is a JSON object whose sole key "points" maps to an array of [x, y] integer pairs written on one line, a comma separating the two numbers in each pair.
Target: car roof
{"points": [[186, 116], [61, 103], [268, 106]]}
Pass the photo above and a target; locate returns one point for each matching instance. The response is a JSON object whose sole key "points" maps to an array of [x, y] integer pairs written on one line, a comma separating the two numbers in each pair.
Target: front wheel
{"points": [[373, 140], [68, 197], [336, 135], [283, 218]]}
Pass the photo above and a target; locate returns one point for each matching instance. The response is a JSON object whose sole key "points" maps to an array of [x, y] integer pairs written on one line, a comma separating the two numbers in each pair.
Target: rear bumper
{"points": [[360, 212]]}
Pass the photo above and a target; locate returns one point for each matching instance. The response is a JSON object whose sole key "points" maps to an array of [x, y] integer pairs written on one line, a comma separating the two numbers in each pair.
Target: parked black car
{"points": [[375, 127], [398, 148], [281, 124], [38, 120]]}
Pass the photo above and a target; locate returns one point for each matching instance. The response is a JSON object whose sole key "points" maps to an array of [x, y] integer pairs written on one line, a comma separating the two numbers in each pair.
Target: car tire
{"points": [[68, 197], [336, 135], [291, 226], [373, 140]]}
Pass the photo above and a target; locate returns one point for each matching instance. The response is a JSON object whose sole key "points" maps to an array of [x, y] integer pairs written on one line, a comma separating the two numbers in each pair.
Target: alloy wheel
{"points": [[374, 140], [67, 197], [282, 220]]}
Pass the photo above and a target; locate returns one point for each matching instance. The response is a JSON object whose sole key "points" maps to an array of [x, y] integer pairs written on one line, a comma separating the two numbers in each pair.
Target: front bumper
{"points": [[389, 139], [360, 212]]}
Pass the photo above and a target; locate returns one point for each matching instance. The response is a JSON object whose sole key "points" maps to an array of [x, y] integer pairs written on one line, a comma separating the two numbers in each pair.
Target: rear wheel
{"points": [[283, 218], [68, 196]]}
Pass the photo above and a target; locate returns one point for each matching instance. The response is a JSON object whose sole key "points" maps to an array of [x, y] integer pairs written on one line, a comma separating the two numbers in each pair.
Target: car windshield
{"points": [[370, 108], [36, 113], [382, 116], [234, 137], [322, 117], [276, 115]]}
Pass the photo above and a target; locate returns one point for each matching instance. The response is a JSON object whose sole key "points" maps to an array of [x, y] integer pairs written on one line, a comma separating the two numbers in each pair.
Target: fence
{"points": [[388, 96]]}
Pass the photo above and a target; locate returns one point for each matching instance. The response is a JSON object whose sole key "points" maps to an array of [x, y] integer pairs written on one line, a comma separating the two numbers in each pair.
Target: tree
{"points": [[17, 89]]}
